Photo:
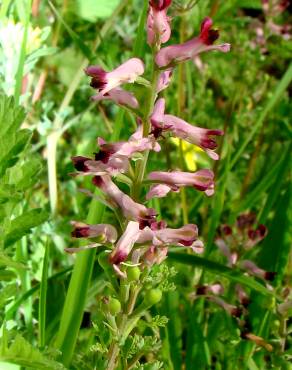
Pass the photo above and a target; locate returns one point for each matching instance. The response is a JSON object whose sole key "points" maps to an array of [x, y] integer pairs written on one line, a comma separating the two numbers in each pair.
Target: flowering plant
{"points": [[143, 238]]}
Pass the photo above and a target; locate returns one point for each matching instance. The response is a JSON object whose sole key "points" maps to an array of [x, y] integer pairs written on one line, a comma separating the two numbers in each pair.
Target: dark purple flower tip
{"points": [[97, 181], [262, 230], [158, 225], [118, 257], [202, 187], [103, 155], [252, 234], [79, 163], [226, 230], [98, 80], [236, 312], [80, 232], [245, 302], [148, 220], [208, 143], [270, 276], [246, 220], [186, 243], [202, 290], [160, 4], [208, 35]]}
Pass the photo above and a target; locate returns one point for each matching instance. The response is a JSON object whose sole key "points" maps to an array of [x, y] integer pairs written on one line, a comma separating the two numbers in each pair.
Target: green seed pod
{"points": [[152, 296], [114, 306], [133, 273]]}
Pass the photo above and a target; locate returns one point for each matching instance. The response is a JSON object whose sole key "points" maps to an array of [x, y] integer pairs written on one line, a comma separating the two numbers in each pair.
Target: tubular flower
{"points": [[106, 81], [174, 54], [106, 231], [118, 96], [199, 136], [114, 158], [158, 28], [202, 180], [253, 269], [125, 243], [87, 166], [161, 236], [131, 210]]}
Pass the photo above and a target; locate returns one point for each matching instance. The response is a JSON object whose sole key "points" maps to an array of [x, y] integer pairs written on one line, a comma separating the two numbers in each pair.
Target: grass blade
{"points": [[217, 268], [43, 299], [280, 89]]}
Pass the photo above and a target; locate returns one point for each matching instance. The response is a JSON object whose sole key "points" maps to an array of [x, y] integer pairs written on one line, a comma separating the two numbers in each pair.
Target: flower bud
{"points": [[133, 274], [152, 297], [114, 306]]}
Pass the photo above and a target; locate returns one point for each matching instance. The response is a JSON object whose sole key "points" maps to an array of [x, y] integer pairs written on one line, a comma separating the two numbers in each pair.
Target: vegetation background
{"points": [[44, 48]]}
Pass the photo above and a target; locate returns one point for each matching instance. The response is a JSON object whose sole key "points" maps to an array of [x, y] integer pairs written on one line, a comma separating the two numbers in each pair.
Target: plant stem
{"points": [[180, 107]]}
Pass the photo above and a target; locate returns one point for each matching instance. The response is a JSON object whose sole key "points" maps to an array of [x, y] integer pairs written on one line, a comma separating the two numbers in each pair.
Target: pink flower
{"points": [[154, 255], [113, 166], [174, 54], [159, 191], [106, 81], [131, 210], [119, 96], [161, 236], [202, 180], [229, 308], [253, 269], [125, 243], [195, 135], [114, 158], [164, 80], [106, 231], [158, 28]]}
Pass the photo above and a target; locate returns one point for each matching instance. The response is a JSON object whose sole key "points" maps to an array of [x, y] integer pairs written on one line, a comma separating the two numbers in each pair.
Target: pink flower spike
{"points": [[158, 28], [164, 80], [120, 97], [174, 54], [106, 81], [82, 230], [202, 180], [125, 243], [131, 210], [199, 136]]}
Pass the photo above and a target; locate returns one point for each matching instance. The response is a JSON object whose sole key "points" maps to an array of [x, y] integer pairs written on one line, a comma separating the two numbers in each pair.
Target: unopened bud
{"points": [[114, 306], [133, 274]]}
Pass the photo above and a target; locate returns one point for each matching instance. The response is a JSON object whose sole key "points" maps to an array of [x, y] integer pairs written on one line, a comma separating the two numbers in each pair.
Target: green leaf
{"points": [[217, 268], [23, 224], [91, 10], [22, 353], [9, 262], [28, 174], [275, 250]]}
